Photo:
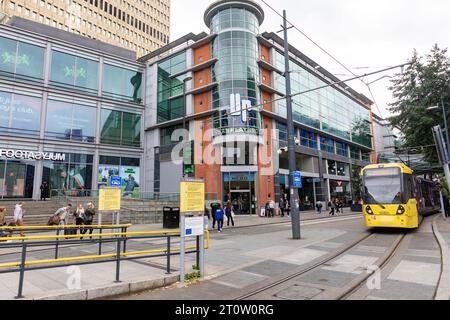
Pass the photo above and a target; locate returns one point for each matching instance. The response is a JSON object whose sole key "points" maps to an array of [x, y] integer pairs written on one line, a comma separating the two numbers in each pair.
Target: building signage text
{"points": [[31, 155]]}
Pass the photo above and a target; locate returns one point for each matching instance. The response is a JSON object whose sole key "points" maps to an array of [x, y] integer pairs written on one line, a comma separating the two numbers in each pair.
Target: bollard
{"points": [[168, 255], [22, 270], [57, 245], [100, 243], [198, 251], [118, 260]]}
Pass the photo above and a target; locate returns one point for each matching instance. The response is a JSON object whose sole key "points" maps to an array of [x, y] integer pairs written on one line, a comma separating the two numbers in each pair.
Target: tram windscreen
{"points": [[382, 186]]}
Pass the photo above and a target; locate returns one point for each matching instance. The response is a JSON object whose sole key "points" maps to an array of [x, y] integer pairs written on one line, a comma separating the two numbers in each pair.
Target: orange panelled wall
{"points": [[209, 172], [267, 97], [206, 100], [265, 52], [202, 54], [266, 184]]}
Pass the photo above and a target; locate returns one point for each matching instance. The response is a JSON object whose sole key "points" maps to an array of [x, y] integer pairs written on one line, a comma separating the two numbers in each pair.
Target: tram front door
{"points": [[241, 201]]}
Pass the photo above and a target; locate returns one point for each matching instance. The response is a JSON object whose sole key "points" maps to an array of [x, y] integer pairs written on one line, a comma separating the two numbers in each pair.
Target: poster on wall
{"points": [[130, 181], [105, 172]]}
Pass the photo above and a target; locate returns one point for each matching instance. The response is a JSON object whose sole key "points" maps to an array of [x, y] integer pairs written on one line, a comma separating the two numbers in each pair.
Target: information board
{"points": [[115, 181], [194, 226], [109, 199], [192, 197]]}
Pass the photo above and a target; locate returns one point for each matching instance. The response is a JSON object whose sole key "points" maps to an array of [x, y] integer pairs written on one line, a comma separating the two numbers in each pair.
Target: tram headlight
{"points": [[400, 211], [369, 210]]}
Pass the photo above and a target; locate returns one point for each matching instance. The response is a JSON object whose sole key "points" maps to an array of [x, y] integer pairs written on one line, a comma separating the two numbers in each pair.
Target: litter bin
{"points": [[171, 218]]}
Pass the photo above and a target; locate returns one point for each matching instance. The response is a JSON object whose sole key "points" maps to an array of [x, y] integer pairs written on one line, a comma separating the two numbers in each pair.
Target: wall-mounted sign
{"points": [[31, 155], [236, 130], [297, 180], [115, 182]]}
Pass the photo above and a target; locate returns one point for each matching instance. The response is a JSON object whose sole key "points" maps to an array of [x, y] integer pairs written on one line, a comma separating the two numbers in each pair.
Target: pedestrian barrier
{"points": [[120, 254]]}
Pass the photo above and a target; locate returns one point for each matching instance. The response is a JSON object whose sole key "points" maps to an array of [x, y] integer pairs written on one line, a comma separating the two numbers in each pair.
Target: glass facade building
{"points": [[66, 98]]}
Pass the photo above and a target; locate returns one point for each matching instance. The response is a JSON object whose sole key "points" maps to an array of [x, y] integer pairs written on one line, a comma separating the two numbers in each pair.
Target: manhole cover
{"points": [[298, 292]]}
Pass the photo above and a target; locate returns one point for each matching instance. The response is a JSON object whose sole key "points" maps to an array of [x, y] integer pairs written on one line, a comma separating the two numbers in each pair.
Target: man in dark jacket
{"points": [[447, 206]]}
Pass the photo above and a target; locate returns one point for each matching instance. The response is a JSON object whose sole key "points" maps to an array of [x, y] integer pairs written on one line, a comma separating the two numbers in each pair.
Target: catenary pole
{"points": [[295, 213]]}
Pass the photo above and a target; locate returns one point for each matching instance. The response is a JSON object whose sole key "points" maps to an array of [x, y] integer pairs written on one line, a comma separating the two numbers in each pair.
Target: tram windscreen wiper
{"points": [[375, 201]]}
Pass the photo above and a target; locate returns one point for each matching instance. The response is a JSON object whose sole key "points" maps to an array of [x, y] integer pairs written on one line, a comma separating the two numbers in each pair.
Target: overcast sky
{"points": [[358, 33]]}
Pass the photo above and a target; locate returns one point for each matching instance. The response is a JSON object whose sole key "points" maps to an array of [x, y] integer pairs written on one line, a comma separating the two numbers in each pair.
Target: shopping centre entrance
{"points": [[239, 189]]}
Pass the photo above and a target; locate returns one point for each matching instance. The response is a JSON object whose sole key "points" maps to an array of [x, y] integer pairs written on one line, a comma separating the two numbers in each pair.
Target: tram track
{"points": [[351, 287]]}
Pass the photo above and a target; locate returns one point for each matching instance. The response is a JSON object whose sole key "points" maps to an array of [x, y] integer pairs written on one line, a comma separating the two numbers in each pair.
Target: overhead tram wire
{"points": [[322, 49]]}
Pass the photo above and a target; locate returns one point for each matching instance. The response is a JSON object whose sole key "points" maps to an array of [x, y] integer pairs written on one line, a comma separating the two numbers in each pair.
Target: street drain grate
{"points": [[297, 292]]}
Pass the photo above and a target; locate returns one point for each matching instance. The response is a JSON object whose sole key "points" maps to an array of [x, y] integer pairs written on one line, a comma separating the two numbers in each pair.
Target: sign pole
{"points": [[182, 247]]}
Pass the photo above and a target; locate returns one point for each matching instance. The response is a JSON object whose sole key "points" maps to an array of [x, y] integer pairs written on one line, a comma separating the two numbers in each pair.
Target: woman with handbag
{"points": [[229, 214]]}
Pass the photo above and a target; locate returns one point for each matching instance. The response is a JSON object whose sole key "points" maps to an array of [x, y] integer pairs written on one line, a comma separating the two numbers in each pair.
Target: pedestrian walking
{"points": [[214, 207], [332, 207], [45, 191], [337, 206], [79, 216], [219, 217], [319, 207], [18, 216], [282, 205], [89, 214], [229, 213]]}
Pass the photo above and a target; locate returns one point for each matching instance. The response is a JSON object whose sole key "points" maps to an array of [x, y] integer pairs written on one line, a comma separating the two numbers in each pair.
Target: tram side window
{"points": [[408, 187]]}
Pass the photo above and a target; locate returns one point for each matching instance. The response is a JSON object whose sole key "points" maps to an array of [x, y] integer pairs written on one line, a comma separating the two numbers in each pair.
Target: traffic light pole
{"points": [[294, 202]]}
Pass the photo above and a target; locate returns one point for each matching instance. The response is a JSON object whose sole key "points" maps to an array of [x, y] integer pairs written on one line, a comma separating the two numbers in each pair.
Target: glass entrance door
{"points": [[16, 180], [240, 201]]}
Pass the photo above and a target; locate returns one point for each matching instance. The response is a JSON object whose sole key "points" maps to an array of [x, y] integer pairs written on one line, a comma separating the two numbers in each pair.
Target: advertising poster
{"points": [[130, 181]]}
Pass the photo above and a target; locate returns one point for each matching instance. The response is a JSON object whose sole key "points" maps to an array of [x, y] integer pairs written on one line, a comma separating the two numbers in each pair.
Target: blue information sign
{"points": [[115, 181], [297, 179]]}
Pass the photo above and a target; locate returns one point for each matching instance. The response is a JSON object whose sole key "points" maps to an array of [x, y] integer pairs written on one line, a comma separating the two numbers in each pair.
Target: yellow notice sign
{"points": [[109, 199], [192, 197]]}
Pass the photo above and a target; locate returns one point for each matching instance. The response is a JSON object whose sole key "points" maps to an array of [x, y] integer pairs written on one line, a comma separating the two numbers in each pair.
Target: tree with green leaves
{"points": [[422, 84]]}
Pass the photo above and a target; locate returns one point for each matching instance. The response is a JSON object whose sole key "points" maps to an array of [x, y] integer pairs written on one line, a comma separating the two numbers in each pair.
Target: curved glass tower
{"points": [[236, 24]]}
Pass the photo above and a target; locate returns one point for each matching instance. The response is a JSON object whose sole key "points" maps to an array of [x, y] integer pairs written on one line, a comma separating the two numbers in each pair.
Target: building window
{"points": [[170, 90], [72, 177], [21, 59], [74, 72], [122, 84], [326, 144], [308, 139], [19, 114], [120, 128], [341, 149], [70, 121], [166, 135]]}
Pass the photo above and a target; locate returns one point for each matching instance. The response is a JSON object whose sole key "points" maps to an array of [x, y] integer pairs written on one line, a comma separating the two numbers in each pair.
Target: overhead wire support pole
{"points": [[295, 206]]}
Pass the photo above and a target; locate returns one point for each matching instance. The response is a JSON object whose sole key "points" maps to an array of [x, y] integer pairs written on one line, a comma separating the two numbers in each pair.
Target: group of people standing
{"points": [[82, 216], [218, 214]]}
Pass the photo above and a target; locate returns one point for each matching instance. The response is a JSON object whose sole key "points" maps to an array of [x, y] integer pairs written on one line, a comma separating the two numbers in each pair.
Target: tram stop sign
{"points": [[115, 181], [297, 180]]}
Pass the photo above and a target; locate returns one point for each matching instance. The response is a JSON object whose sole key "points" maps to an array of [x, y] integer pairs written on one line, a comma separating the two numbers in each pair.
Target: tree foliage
{"points": [[422, 84]]}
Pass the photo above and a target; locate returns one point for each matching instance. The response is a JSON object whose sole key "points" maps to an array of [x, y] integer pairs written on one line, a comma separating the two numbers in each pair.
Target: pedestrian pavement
{"points": [[97, 280], [443, 236]]}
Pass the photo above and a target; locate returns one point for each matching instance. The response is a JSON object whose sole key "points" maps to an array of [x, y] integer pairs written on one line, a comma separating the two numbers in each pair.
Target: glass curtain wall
{"points": [[73, 72], [70, 121], [120, 128], [170, 89], [19, 114], [72, 177], [122, 84], [21, 60], [337, 113], [16, 179], [236, 71]]}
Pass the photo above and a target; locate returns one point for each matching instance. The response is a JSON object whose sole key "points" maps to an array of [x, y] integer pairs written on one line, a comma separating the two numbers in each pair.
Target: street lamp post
{"points": [[444, 114], [185, 80]]}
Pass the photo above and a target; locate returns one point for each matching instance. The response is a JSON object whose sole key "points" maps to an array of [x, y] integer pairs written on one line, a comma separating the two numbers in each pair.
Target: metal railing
{"points": [[119, 238]]}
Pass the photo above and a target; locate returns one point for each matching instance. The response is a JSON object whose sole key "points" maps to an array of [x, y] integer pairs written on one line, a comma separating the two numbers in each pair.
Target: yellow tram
{"points": [[394, 197]]}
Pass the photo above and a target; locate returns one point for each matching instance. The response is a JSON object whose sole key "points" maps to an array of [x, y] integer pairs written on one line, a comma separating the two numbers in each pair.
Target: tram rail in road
{"points": [[272, 285]]}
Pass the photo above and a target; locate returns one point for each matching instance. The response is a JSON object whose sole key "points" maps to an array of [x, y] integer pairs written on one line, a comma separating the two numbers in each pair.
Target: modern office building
{"points": [[228, 89], [71, 110], [385, 138], [138, 25]]}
